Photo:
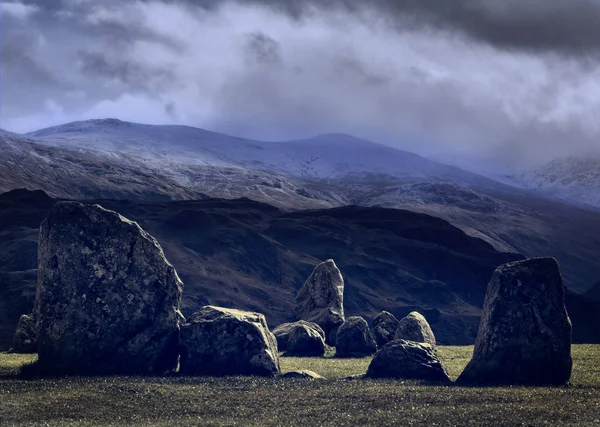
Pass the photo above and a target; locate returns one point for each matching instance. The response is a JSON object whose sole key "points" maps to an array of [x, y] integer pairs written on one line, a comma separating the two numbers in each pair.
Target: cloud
{"points": [[17, 10], [461, 84]]}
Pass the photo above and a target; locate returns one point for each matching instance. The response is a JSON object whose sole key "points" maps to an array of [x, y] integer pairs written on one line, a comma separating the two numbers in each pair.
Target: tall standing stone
{"points": [[415, 327], [321, 299], [525, 332], [107, 299]]}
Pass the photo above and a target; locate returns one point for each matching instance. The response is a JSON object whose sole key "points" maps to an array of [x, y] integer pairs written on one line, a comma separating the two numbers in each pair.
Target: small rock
{"points": [[354, 339], [25, 336], [282, 332], [304, 374], [305, 341], [384, 328], [220, 341], [525, 333], [407, 360], [321, 299], [415, 327]]}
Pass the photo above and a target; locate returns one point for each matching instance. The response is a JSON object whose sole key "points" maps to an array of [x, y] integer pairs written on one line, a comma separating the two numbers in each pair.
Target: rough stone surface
{"points": [[407, 360], [384, 328], [219, 341], [107, 299], [525, 332], [415, 327], [303, 374], [305, 341], [282, 332], [354, 339], [25, 336], [321, 299]]}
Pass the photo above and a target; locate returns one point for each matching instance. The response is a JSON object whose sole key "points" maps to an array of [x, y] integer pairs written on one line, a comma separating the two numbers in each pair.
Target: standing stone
{"points": [[305, 341], [384, 328], [321, 299], [282, 332], [525, 332], [107, 299], [220, 341], [25, 336], [407, 360], [354, 339], [415, 327]]}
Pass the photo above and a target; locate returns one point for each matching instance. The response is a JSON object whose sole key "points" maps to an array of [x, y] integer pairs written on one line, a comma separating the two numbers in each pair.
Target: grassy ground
{"points": [[265, 402]]}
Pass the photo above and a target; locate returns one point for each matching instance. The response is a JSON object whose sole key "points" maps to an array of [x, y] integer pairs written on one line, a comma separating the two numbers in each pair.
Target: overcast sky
{"points": [[499, 82]]}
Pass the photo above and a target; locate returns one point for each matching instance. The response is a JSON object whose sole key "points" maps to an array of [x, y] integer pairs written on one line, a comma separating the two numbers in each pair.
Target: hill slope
{"points": [[114, 159], [240, 253], [245, 254]]}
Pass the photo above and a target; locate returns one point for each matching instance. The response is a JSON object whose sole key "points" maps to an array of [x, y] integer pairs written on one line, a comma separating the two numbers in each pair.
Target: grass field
{"points": [[337, 401]]}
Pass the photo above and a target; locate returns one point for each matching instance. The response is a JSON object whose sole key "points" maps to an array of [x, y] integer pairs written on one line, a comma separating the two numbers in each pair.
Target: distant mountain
{"points": [[325, 157], [114, 159], [67, 173], [575, 179]]}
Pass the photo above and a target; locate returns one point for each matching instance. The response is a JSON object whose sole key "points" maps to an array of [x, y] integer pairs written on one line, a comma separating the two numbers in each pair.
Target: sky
{"points": [[483, 84]]}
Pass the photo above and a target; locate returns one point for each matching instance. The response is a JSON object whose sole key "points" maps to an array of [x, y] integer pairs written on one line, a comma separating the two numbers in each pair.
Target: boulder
{"points": [[25, 336], [354, 339], [525, 333], [384, 328], [415, 327], [407, 360], [107, 300], [305, 341], [282, 332], [219, 341], [304, 375], [321, 299]]}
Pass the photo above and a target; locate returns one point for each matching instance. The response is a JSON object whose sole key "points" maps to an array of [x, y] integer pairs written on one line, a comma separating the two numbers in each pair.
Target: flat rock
{"points": [[415, 327], [305, 341], [219, 341], [354, 339], [407, 360], [107, 299], [25, 336], [282, 332], [525, 333], [321, 299], [384, 328], [303, 374]]}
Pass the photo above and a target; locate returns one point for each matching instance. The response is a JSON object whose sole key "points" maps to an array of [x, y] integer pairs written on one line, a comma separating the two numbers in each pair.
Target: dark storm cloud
{"points": [[462, 79], [571, 26]]}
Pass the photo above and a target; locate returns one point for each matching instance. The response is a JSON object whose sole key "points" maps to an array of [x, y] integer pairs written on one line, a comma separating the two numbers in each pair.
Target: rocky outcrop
{"points": [[219, 341], [302, 375], [107, 300], [305, 341], [384, 328], [407, 360], [282, 332], [354, 339], [525, 332], [321, 299], [415, 327], [25, 336]]}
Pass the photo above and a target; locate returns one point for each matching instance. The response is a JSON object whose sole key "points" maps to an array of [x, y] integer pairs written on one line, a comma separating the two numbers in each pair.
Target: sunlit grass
{"points": [[266, 402]]}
